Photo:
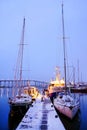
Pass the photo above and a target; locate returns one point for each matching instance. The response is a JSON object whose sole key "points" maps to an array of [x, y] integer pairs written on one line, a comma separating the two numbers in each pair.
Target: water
{"points": [[9, 120]]}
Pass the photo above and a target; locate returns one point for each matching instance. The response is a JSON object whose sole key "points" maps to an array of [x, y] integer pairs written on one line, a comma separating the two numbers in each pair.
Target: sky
{"points": [[43, 49]]}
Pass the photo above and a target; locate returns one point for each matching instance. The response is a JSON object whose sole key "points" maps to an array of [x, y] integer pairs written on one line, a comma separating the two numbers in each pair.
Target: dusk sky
{"points": [[43, 37]]}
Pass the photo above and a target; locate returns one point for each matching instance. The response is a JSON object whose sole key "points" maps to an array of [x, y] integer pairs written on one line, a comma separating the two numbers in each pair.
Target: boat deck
{"points": [[41, 116]]}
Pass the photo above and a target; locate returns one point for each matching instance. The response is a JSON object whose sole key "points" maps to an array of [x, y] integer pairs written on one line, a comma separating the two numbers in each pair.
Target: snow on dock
{"points": [[41, 116]]}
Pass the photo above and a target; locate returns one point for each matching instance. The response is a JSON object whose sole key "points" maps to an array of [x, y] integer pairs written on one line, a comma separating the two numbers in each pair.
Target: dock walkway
{"points": [[41, 116]]}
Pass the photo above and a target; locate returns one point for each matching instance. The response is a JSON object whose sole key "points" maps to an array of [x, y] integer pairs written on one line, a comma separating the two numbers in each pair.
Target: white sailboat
{"points": [[64, 102], [20, 99]]}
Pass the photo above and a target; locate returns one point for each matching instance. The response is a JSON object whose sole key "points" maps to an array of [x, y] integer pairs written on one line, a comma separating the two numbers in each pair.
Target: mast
{"points": [[78, 71], [22, 48], [19, 64], [64, 49]]}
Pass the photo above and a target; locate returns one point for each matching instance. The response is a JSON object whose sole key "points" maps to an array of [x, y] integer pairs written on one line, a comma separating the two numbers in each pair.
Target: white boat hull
{"points": [[19, 101], [70, 112]]}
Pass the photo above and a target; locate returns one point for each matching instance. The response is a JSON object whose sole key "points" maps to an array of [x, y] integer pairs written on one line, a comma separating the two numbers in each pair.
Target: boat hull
{"points": [[70, 112], [54, 90], [23, 101], [79, 90]]}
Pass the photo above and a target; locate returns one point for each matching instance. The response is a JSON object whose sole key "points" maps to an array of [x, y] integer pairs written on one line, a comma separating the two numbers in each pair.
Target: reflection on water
{"points": [[10, 119], [83, 111], [4, 110], [70, 124], [14, 118], [7, 92]]}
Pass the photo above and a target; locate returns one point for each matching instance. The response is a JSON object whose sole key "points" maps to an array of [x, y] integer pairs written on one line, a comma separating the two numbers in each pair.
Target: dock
{"points": [[41, 116]]}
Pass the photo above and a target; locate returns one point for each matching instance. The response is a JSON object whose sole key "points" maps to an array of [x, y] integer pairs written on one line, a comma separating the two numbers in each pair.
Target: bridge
{"points": [[23, 83]]}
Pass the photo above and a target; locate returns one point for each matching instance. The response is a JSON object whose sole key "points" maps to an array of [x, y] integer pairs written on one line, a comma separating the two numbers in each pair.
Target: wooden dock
{"points": [[41, 116]]}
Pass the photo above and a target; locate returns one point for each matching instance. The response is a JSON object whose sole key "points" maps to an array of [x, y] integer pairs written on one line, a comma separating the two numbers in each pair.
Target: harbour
{"points": [[10, 120], [40, 117], [58, 103]]}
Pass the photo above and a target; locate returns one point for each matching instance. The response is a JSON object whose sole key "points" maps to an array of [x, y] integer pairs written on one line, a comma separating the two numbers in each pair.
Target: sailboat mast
{"points": [[64, 49], [19, 64], [22, 47]]}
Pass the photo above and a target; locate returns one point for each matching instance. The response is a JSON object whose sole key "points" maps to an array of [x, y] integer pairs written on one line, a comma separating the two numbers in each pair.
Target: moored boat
{"points": [[23, 100], [81, 89], [32, 91], [64, 102], [20, 99], [56, 85], [66, 105]]}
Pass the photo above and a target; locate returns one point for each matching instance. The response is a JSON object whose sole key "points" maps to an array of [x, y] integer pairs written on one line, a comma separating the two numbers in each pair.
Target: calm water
{"points": [[9, 120]]}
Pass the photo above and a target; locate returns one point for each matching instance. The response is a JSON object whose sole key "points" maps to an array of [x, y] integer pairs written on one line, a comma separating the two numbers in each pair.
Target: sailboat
{"points": [[64, 102], [20, 99]]}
